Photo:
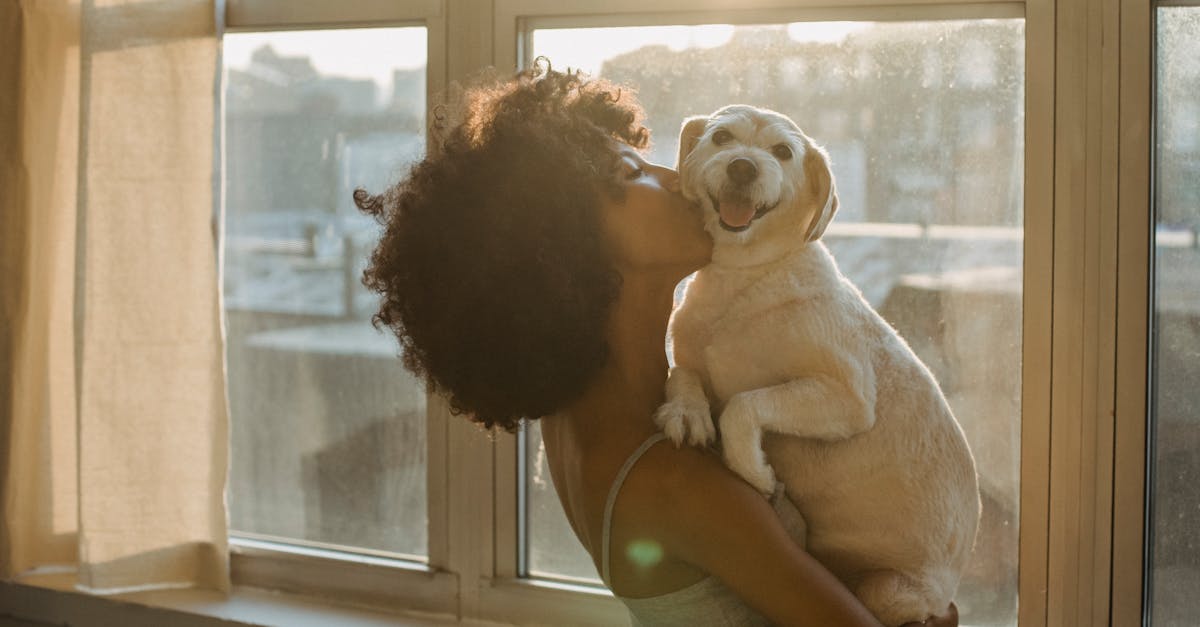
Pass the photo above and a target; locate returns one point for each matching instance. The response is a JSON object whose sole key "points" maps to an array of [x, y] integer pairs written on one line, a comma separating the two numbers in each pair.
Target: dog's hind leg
{"points": [[896, 598]]}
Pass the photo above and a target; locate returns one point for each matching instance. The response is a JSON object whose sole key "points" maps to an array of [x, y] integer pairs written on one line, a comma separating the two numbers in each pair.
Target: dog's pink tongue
{"points": [[736, 213]]}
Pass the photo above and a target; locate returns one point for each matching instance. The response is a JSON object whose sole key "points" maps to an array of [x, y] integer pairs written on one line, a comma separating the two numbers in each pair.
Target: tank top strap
{"points": [[612, 499]]}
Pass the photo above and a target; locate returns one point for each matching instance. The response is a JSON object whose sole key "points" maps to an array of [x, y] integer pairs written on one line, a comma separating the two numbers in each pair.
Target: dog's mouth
{"points": [[737, 213]]}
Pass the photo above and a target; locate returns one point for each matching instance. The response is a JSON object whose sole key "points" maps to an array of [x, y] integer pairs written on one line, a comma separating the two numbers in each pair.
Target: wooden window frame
{"points": [[1086, 287]]}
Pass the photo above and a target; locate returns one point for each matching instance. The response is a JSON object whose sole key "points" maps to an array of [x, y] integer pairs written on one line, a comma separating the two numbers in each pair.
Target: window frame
{"points": [[370, 581], [525, 15], [1134, 290], [1085, 319], [1134, 466]]}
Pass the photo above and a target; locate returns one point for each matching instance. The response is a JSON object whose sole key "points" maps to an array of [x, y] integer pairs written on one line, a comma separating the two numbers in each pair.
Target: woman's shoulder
{"points": [[667, 467], [686, 492], [662, 483]]}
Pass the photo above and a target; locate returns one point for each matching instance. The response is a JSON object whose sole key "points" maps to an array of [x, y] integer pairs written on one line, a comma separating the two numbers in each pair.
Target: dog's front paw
{"points": [[683, 419]]}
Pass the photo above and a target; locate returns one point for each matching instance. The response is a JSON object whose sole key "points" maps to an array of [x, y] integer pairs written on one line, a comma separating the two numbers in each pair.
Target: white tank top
{"points": [[708, 602]]}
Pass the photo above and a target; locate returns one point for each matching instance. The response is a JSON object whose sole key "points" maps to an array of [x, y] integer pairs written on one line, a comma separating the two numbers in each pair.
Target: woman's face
{"points": [[654, 226]]}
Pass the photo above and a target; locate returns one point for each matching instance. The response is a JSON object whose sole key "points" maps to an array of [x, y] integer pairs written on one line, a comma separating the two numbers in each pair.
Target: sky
{"points": [[353, 52], [587, 48]]}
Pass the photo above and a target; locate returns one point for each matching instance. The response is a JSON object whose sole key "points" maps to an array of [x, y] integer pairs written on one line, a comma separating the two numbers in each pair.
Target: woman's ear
{"points": [[819, 177], [689, 135]]}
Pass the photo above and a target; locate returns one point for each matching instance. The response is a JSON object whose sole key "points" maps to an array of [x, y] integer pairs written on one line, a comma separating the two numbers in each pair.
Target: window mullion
{"points": [[507, 531], [437, 409], [470, 453], [1133, 316], [1036, 326], [438, 447], [1086, 216]]}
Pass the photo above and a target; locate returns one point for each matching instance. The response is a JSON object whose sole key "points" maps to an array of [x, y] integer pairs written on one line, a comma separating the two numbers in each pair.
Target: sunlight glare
{"points": [[707, 35], [372, 53], [588, 48], [823, 32]]}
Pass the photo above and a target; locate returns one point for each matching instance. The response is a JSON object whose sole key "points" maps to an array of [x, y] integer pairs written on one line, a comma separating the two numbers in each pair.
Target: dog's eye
{"points": [[783, 152], [722, 137]]}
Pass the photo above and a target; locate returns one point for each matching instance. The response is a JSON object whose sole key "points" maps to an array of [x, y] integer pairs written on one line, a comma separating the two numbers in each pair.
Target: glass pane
{"points": [[554, 552], [925, 125], [1175, 461], [328, 429]]}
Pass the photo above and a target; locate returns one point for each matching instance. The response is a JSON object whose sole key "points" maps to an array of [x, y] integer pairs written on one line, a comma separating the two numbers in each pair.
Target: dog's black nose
{"points": [[742, 170]]}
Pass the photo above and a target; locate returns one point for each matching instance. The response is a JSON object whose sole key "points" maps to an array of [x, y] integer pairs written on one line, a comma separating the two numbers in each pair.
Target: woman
{"points": [[528, 269]]}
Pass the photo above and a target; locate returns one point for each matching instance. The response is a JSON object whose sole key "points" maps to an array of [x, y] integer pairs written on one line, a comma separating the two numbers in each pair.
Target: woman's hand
{"points": [[949, 618]]}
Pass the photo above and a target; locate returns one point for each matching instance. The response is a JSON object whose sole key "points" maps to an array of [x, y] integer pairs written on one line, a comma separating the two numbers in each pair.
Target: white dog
{"points": [[779, 343]]}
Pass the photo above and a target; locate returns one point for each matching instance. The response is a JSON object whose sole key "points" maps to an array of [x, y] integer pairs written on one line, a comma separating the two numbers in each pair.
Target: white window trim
{"points": [[1084, 344], [371, 582], [358, 580]]}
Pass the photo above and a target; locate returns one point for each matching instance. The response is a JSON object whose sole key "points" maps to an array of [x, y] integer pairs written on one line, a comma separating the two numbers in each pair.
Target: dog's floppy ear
{"points": [[689, 135], [824, 192]]}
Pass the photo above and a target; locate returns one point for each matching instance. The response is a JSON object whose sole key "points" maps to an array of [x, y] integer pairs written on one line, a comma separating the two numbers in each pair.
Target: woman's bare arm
{"points": [[707, 516]]}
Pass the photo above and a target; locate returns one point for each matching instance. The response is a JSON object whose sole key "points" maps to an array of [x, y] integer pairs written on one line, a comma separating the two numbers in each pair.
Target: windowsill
{"points": [[53, 599]]}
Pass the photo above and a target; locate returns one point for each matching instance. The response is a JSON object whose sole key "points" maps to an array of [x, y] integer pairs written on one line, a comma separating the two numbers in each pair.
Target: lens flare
{"points": [[644, 553]]}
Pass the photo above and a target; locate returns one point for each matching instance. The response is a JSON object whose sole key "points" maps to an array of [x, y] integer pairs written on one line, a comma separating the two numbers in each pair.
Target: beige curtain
{"points": [[113, 423]]}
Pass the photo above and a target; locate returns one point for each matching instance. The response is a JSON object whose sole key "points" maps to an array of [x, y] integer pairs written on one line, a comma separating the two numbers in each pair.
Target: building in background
{"points": [[915, 131]]}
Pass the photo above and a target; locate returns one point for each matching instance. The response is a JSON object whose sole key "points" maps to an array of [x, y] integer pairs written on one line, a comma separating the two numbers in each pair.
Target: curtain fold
{"points": [[113, 431], [40, 142]]}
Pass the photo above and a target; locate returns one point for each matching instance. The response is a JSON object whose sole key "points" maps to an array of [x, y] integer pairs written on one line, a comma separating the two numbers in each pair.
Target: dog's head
{"points": [[756, 176]]}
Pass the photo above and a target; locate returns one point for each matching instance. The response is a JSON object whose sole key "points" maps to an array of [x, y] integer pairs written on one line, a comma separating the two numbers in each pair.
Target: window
{"points": [[977, 148], [551, 551], [924, 122], [328, 430], [1175, 458]]}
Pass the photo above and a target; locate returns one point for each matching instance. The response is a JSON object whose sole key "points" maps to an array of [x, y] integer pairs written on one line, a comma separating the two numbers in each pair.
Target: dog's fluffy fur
{"points": [[778, 343]]}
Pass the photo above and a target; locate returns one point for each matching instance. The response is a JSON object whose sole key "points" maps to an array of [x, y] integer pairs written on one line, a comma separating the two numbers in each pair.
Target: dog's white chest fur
{"points": [[784, 349], [734, 318]]}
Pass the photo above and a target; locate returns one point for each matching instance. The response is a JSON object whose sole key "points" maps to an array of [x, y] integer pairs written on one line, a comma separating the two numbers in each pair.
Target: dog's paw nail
{"points": [[699, 437], [672, 425], [674, 431]]}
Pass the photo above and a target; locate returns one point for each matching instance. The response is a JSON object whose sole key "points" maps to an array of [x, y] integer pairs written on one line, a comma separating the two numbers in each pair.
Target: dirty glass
{"points": [[1175, 399], [328, 430], [924, 122]]}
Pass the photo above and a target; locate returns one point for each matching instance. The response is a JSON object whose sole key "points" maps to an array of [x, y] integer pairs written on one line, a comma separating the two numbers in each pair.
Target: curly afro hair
{"points": [[493, 269]]}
